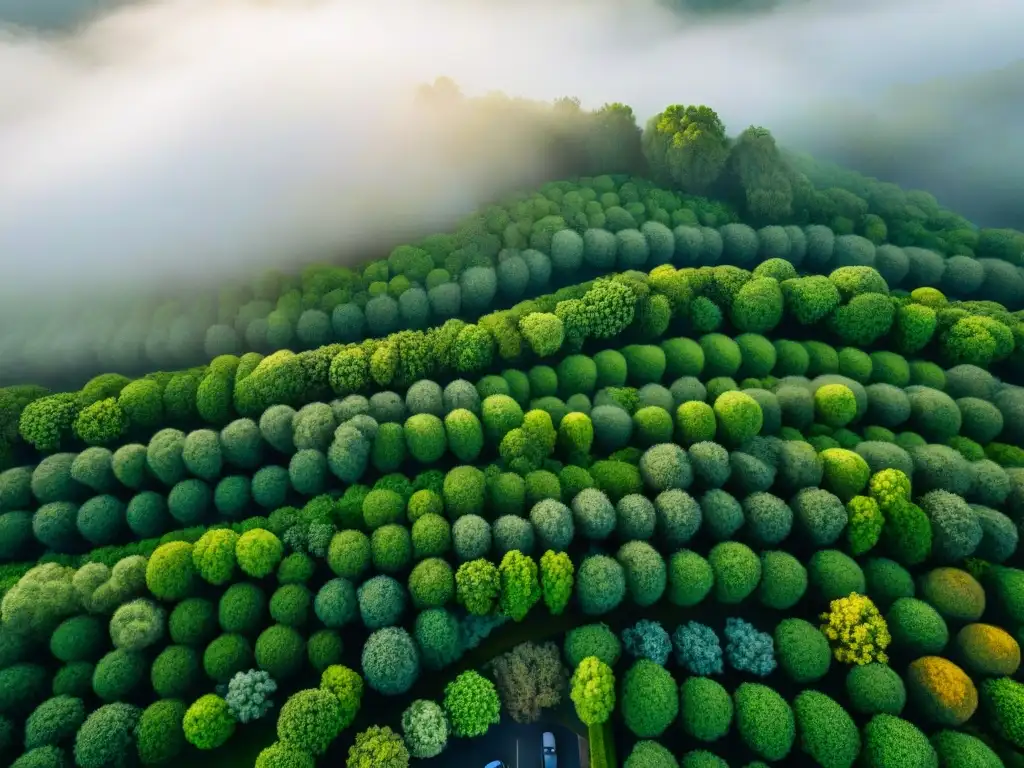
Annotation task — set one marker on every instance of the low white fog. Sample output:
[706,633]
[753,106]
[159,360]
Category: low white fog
[183,141]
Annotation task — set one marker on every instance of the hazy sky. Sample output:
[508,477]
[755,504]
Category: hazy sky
[186,139]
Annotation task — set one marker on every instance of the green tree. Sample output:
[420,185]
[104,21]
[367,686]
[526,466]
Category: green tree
[378,747]
[347,686]
[426,729]
[686,145]
[757,177]
[472,705]
[310,720]
[520,588]
[101,423]
[556,579]
[477,586]
[208,723]
[592,690]
[614,139]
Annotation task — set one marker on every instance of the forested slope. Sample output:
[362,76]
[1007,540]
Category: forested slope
[63,345]
[699,378]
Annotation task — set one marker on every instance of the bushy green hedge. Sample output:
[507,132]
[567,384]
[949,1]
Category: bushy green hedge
[933,466]
[857,305]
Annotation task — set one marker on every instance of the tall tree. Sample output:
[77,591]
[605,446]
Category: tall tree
[757,178]
[687,146]
[614,140]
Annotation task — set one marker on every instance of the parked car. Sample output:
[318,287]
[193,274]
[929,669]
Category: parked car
[550,757]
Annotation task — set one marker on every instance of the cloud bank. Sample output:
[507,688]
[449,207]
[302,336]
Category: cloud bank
[958,136]
[183,142]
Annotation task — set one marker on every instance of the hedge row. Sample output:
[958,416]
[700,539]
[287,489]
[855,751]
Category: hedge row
[544,122]
[521,244]
[209,394]
[912,217]
[749,356]
[760,465]
[675,517]
[943,615]
[111,408]
[936,467]
[524,442]
[271,313]
[984,413]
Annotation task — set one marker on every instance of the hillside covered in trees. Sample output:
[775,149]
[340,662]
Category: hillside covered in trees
[687,149]
[708,449]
